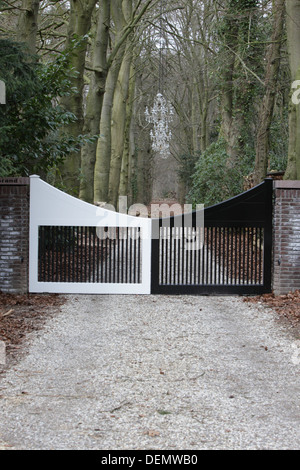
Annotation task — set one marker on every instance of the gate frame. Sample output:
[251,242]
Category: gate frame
[233,211]
[51,207]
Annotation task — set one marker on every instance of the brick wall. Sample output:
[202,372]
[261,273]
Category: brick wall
[286,271]
[14,234]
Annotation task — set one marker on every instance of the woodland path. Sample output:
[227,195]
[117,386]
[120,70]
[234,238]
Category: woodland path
[154,372]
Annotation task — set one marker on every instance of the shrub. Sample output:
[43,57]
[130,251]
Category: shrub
[216,177]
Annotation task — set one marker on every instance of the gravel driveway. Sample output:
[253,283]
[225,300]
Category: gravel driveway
[155,372]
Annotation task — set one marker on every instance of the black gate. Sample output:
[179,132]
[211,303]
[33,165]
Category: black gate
[231,253]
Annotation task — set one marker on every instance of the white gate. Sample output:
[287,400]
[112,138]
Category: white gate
[76,247]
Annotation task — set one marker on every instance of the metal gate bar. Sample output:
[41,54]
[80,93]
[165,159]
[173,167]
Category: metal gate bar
[231,254]
[89,254]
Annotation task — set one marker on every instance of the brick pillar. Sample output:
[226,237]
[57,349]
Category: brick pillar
[14,234]
[286,270]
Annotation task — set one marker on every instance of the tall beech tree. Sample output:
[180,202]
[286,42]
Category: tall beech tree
[118,124]
[95,100]
[28,24]
[241,51]
[266,109]
[293,41]
[78,30]
[121,13]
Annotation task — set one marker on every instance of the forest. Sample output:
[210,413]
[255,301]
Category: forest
[186,100]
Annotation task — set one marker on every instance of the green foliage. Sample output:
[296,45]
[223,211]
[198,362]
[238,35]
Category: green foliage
[6,167]
[216,178]
[187,164]
[31,139]
[241,5]
[279,137]
[243,32]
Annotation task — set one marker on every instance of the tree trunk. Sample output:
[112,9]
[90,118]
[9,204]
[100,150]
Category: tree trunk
[118,124]
[28,24]
[194,117]
[293,36]
[128,141]
[103,153]
[237,94]
[129,144]
[231,44]
[79,26]
[94,102]
[124,25]
[267,105]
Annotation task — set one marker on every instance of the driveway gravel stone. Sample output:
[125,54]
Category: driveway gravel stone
[155,372]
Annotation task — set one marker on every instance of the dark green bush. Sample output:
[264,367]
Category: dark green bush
[32,120]
[216,177]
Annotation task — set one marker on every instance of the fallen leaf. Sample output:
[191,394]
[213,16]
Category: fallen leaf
[152,433]
[7,313]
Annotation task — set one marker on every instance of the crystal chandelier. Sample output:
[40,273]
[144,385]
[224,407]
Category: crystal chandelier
[162,112]
[161,116]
